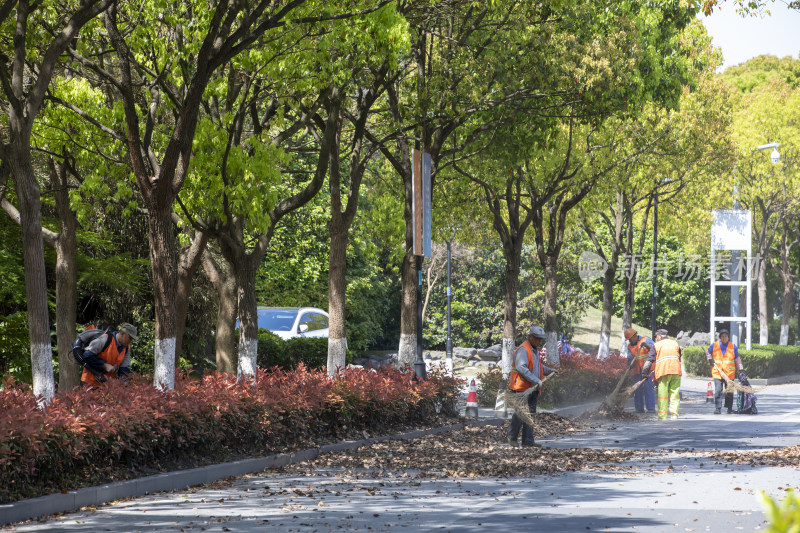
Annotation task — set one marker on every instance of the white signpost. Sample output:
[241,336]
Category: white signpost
[732,230]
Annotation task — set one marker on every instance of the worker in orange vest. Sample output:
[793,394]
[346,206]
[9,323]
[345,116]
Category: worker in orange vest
[639,349]
[724,355]
[527,372]
[667,361]
[113,360]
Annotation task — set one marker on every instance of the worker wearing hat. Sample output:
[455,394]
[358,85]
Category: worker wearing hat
[639,349]
[723,356]
[110,358]
[527,372]
[667,362]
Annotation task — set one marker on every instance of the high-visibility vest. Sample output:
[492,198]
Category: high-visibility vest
[640,353]
[515,380]
[724,360]
[111,355]
[668,358]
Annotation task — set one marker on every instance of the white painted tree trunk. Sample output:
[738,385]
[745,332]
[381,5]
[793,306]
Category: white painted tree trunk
[784,340]
[407,351]
[551,344]
[508,356]
[164,371]
[43,377]
[248,356]
[604,348]
[337,355]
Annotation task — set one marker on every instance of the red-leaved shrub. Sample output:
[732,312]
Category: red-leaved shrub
[126,428]
[582,378]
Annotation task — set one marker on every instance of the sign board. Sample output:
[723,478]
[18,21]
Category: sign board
[731,230]
[421,201]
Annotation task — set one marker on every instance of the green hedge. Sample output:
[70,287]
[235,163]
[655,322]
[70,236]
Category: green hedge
[287,354]
[769,360]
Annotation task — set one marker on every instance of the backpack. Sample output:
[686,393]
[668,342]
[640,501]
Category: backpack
[745,401]
[83,340]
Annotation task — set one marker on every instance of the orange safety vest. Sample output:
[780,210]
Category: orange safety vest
[668,358]
[110,355]
[724,360]
[515,380]
[640,353]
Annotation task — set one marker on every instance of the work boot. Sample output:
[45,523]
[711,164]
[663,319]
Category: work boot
[729,410]
[531,445]
[513,442]
[674,417]
[717,411]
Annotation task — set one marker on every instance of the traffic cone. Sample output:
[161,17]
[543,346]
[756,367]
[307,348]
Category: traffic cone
[472,402]
[710,393]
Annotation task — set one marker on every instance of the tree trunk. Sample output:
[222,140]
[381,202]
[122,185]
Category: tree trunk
[763,311]
[224,338]
[69,373]
[787,309]
[30,208]
[510,311]
[248,319]
[165,289]
[337,286]
[785,271]
[407,350]
[604,348]
[191,258]
[550,307]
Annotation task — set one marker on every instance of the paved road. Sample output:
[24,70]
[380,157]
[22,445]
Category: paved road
[674,490]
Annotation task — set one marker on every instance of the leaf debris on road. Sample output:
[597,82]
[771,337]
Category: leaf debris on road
[471,452]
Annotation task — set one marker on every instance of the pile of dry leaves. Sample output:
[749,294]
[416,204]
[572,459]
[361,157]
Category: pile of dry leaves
[470,452]
[608,412]
[789,456]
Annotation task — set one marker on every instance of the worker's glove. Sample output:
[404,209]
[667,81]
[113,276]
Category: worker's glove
[537,383]
[554,371]
[646,369]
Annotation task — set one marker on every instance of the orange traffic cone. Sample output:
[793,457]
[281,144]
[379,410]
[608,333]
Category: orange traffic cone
[472,401]
[710,393]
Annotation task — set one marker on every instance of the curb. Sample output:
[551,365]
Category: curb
[98,495]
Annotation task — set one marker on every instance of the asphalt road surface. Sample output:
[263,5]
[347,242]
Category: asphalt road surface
[675,488]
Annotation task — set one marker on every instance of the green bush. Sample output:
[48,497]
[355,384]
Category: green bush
[287,354]
[491,380]
[765,361]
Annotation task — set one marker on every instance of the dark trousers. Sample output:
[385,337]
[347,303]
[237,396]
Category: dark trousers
[517,423]
[719,386]
[645,395]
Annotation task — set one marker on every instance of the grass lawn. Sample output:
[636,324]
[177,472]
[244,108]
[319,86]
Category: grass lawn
[587,331]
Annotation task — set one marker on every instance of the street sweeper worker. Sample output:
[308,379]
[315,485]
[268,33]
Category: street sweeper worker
[639,349]
[112,358]
[667,361]
[526,372]
[723,355]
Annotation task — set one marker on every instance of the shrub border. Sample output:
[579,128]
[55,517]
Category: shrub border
[101,494]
